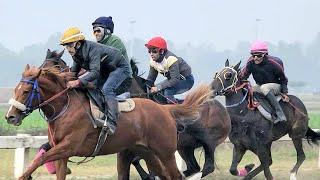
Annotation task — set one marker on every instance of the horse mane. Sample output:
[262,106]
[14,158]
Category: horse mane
[53,73]
[191,105]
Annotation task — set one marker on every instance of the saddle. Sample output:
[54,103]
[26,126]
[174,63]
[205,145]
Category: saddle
[97,104]
[265,107]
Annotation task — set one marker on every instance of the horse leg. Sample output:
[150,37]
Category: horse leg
[208,166]
[143,174]
[264,155]
[60,151]
[61,168]
[300,157]
[169,162]
[123,164]
[155,165]
[187,155]
[238,152]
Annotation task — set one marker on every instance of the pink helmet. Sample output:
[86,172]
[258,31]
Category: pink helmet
[259,46]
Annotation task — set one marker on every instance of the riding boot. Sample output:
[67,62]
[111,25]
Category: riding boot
[112,115]
[273,101]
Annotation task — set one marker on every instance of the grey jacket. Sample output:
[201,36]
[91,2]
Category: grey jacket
[99,60]
[174,68]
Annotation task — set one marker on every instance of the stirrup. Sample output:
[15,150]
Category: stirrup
[109,127]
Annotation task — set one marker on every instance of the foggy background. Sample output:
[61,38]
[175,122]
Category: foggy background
[204,32]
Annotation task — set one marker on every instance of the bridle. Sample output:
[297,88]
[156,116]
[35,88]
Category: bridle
[232,86]
[27,108]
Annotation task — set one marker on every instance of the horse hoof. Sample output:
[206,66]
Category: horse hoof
[207,170]
[196,176]
[189,172]
[293,176]
[69,170]
[249,167]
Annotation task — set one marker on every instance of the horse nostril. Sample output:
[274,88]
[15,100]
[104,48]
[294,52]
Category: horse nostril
[10,118]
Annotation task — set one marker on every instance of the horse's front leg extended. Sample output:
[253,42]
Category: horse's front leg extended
[238,152]
[60,151]
[61,168]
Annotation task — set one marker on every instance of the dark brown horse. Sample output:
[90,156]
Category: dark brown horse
[251,131]
[209,132]
[149,125]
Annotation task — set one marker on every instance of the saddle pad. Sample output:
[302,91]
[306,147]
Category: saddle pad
[124,106]
[264,106]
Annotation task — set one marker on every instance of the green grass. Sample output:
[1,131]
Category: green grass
[314,121]
[104,167]
[34,124]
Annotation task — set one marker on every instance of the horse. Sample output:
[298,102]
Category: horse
[212,129]
[209,132]
[251,131]
[71,133]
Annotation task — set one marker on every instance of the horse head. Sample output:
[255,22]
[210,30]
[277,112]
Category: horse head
[36,86]
[53,59]
[226,79]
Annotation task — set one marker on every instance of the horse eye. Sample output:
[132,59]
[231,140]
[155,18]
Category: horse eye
[26,91]
[228,76]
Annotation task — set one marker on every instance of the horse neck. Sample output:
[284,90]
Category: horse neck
[235,97]
[136,88]
[48,89]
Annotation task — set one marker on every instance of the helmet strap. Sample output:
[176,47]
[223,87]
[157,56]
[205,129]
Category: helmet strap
[78,45]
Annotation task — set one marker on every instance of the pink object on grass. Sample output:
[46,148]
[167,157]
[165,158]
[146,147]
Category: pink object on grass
[51,168]
[242,172]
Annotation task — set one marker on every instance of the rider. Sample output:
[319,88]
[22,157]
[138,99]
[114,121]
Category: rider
[106,67]
[103,31]
[268,72]
[174,68]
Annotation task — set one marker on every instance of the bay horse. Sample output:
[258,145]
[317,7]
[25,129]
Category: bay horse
[71,133]
[251,131]
[212,129]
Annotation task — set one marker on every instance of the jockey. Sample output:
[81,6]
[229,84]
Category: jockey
[268,72]
[174,68]
[105,66]
[103,31]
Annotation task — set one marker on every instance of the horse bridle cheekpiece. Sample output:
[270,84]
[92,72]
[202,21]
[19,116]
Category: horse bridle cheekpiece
[27,108]
[224,73]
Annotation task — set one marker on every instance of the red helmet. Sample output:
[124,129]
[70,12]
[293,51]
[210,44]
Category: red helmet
[157,42]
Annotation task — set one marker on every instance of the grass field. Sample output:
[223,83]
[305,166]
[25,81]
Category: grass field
[104,167]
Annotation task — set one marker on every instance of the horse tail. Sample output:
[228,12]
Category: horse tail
[190,107]
[313,136]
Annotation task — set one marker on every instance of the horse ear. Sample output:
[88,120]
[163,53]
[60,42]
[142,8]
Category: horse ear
[39,72]
[226,63]
[60,54]
[27,67]
[48,54]
[236,67]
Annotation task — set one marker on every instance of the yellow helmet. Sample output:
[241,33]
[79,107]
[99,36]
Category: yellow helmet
[72,34]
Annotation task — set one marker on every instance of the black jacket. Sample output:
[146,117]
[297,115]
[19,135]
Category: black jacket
[99,60]
[270,70]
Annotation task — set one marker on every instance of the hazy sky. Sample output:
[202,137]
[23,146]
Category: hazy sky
[221,23]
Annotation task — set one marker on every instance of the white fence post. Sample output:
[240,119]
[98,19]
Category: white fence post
[21,158]
[319,159]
